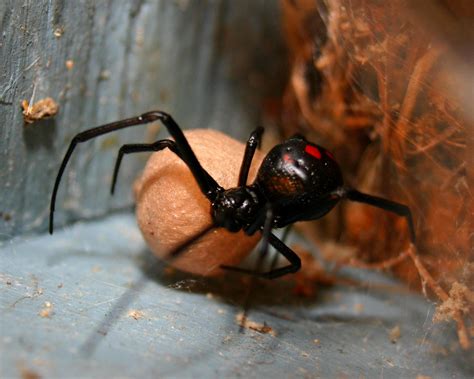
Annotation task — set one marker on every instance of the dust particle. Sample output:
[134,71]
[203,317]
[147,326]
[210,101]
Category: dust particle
[104,75]
[135,314]
[394,334]
[42,109]
[47,310]
[58,32]
[109,142]
[461,299]
[244,322]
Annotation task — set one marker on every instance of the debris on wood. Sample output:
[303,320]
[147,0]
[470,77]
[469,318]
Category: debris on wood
[47,310]
[394,334]
[243,321]
[136,314]
[460,300]
[42,109]
[58,32]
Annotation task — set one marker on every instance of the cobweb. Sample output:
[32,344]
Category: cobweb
[385,85]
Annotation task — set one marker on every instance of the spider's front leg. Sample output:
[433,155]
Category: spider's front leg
[252,143]
[140,148]
[207,184]
[145,148]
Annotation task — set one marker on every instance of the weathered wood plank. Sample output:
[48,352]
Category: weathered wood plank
[209,63]
[90,302]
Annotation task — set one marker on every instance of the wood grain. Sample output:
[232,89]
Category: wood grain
[210,64]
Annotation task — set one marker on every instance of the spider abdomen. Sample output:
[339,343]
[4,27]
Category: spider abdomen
[297,171]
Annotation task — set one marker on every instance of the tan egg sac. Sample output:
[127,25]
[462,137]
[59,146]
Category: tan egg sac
[171,208]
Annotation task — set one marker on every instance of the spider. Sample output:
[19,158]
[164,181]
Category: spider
[297,181]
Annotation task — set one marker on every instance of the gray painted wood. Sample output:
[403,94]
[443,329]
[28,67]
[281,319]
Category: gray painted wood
[90,302]
[209,63]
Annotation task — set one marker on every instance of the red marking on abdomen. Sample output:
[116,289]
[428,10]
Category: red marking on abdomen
[313,150]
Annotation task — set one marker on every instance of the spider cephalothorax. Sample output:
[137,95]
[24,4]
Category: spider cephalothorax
[236,208]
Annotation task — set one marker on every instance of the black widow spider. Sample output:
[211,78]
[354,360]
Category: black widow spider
[297,181]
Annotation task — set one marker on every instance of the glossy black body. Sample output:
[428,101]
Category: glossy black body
[297,181]
[298,178]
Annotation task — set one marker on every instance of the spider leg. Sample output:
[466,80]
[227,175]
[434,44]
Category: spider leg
[267,218]
[251,146]
[256,224]
[290,255]
[208,186]
[267,228]
[140,148]
[178,250]
[385,204]
[270,239]
[283,239]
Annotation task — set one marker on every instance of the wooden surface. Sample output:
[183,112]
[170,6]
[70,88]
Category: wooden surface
[209,63]
[92,302]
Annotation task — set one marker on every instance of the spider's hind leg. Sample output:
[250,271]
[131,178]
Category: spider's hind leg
[385,204]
